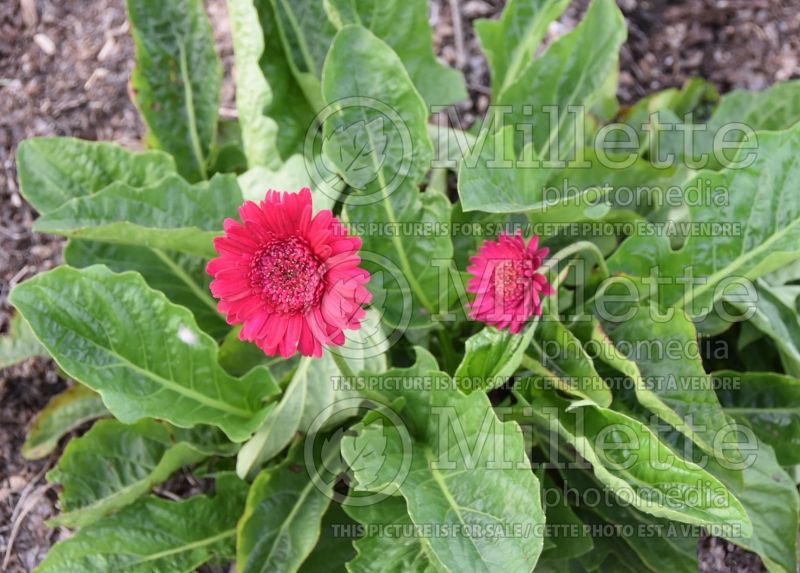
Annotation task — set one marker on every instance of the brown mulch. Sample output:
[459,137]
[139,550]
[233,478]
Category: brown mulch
[64,67]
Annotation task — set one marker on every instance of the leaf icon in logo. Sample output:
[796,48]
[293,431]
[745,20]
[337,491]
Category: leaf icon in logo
[358,150]
[365,454]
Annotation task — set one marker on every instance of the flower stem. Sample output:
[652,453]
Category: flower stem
[342,364]
[448,352]
[576,248]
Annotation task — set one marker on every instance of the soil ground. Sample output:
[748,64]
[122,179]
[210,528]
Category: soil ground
[64,67]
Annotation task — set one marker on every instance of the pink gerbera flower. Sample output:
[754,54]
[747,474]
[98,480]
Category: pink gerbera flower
[290,277]
[506,282]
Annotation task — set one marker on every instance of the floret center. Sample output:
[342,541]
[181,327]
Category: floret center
[288,275]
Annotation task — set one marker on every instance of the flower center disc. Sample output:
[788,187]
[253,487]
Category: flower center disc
[509,280]
[288,275]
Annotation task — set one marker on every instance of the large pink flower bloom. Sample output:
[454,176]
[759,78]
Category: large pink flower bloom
[291,277]
[506,282]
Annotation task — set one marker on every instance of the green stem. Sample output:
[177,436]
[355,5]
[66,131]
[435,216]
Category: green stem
[534,366]
[577,248]
[448,352]
[342,364]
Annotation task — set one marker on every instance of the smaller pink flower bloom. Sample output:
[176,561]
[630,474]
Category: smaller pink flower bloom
[290,277]
[506,282]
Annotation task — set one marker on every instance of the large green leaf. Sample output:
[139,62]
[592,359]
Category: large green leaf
[383,151]
[404,27]
[510,43]
[114,464]
[177,79]
[144,355]
[566,362]
[769,403]
[388,551]
[662,358]
[761,207]
[253,92]
[772,109]
[466,470]
[53,170]
[335,546]
[660,544]
[306,33]
[656,545]
[67,411]
[545,97]
[274,121]
[491,357]
[155,535]
[170,215]
[630,460]
[776,316]
[566,538]
[281,523]
[770,498]
[775,108]
[180,276]
[356,61]
[19,343]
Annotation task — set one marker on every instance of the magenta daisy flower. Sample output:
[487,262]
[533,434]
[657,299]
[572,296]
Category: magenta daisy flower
[506,282]
[290,277]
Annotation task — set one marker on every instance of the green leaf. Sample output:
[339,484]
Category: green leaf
[772,109]
[662,358]
[177,79]
[335,547]
[155,535]
[171,215]
[180,276]
[144,355]
[306,33]
[566,362]
[646,549]
[570,73]
[565,529]
[357,59]
[316,394]
[761,206]
[510,43]
[253,93]
[19,344]
[404,27]
[629,459]
[274,121]
[292,175]
[388,551]
[491,357]
[53,170]
[776,316]
[282,423]
[767,402]
[282,520]
[114,464]
[67,411]
[465,469]
[770,498]
[490,181]
[362,66]
[661,545]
